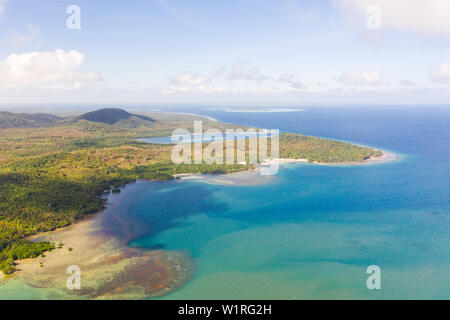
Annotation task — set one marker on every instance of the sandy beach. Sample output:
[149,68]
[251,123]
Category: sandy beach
[386,157]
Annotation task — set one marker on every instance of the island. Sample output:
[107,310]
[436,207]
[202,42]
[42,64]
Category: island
[56,170]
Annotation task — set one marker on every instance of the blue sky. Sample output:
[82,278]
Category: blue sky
[236,52]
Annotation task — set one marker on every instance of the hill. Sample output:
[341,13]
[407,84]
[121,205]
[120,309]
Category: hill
[20,120]
[112,116]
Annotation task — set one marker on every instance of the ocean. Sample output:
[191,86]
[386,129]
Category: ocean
[314,230]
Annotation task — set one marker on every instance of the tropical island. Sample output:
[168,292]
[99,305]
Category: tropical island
[55,170]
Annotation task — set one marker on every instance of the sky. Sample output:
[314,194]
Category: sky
[234,52]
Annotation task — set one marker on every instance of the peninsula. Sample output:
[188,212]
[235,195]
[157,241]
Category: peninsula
[56,170]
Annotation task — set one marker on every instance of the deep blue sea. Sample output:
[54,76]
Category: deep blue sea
[313,231]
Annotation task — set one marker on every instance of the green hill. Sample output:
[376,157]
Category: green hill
[20,120]
[112,116]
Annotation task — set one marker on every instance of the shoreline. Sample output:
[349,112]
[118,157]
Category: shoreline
[113,270]
[110,268]
[251,176]
[384,158]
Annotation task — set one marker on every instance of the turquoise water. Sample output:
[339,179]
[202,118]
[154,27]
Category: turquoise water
[313,231]
[311,234]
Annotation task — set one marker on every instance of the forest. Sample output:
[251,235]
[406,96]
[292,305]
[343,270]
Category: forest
[53,175]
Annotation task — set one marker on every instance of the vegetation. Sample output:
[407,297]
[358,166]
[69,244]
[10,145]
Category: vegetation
[111,116]
[51,176]
[296,146]
[20,250]
[17,120]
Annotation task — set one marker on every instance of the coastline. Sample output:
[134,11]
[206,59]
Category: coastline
[384,158]
[110,269]
[251,177]
[113,270]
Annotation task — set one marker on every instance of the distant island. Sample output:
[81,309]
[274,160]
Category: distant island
[54,170]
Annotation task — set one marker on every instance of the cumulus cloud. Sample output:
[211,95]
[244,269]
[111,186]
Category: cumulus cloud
[218,89]
[239,78]
[62,86]
[189,79]
[50,67]
[421,16]
[440,73]
[361,79]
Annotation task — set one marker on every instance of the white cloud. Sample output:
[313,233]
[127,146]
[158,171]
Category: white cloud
[441,73]
[422,16]
[62,86]
[44,67]
[361,79]
[189,79]
[218,89]
[244,79]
